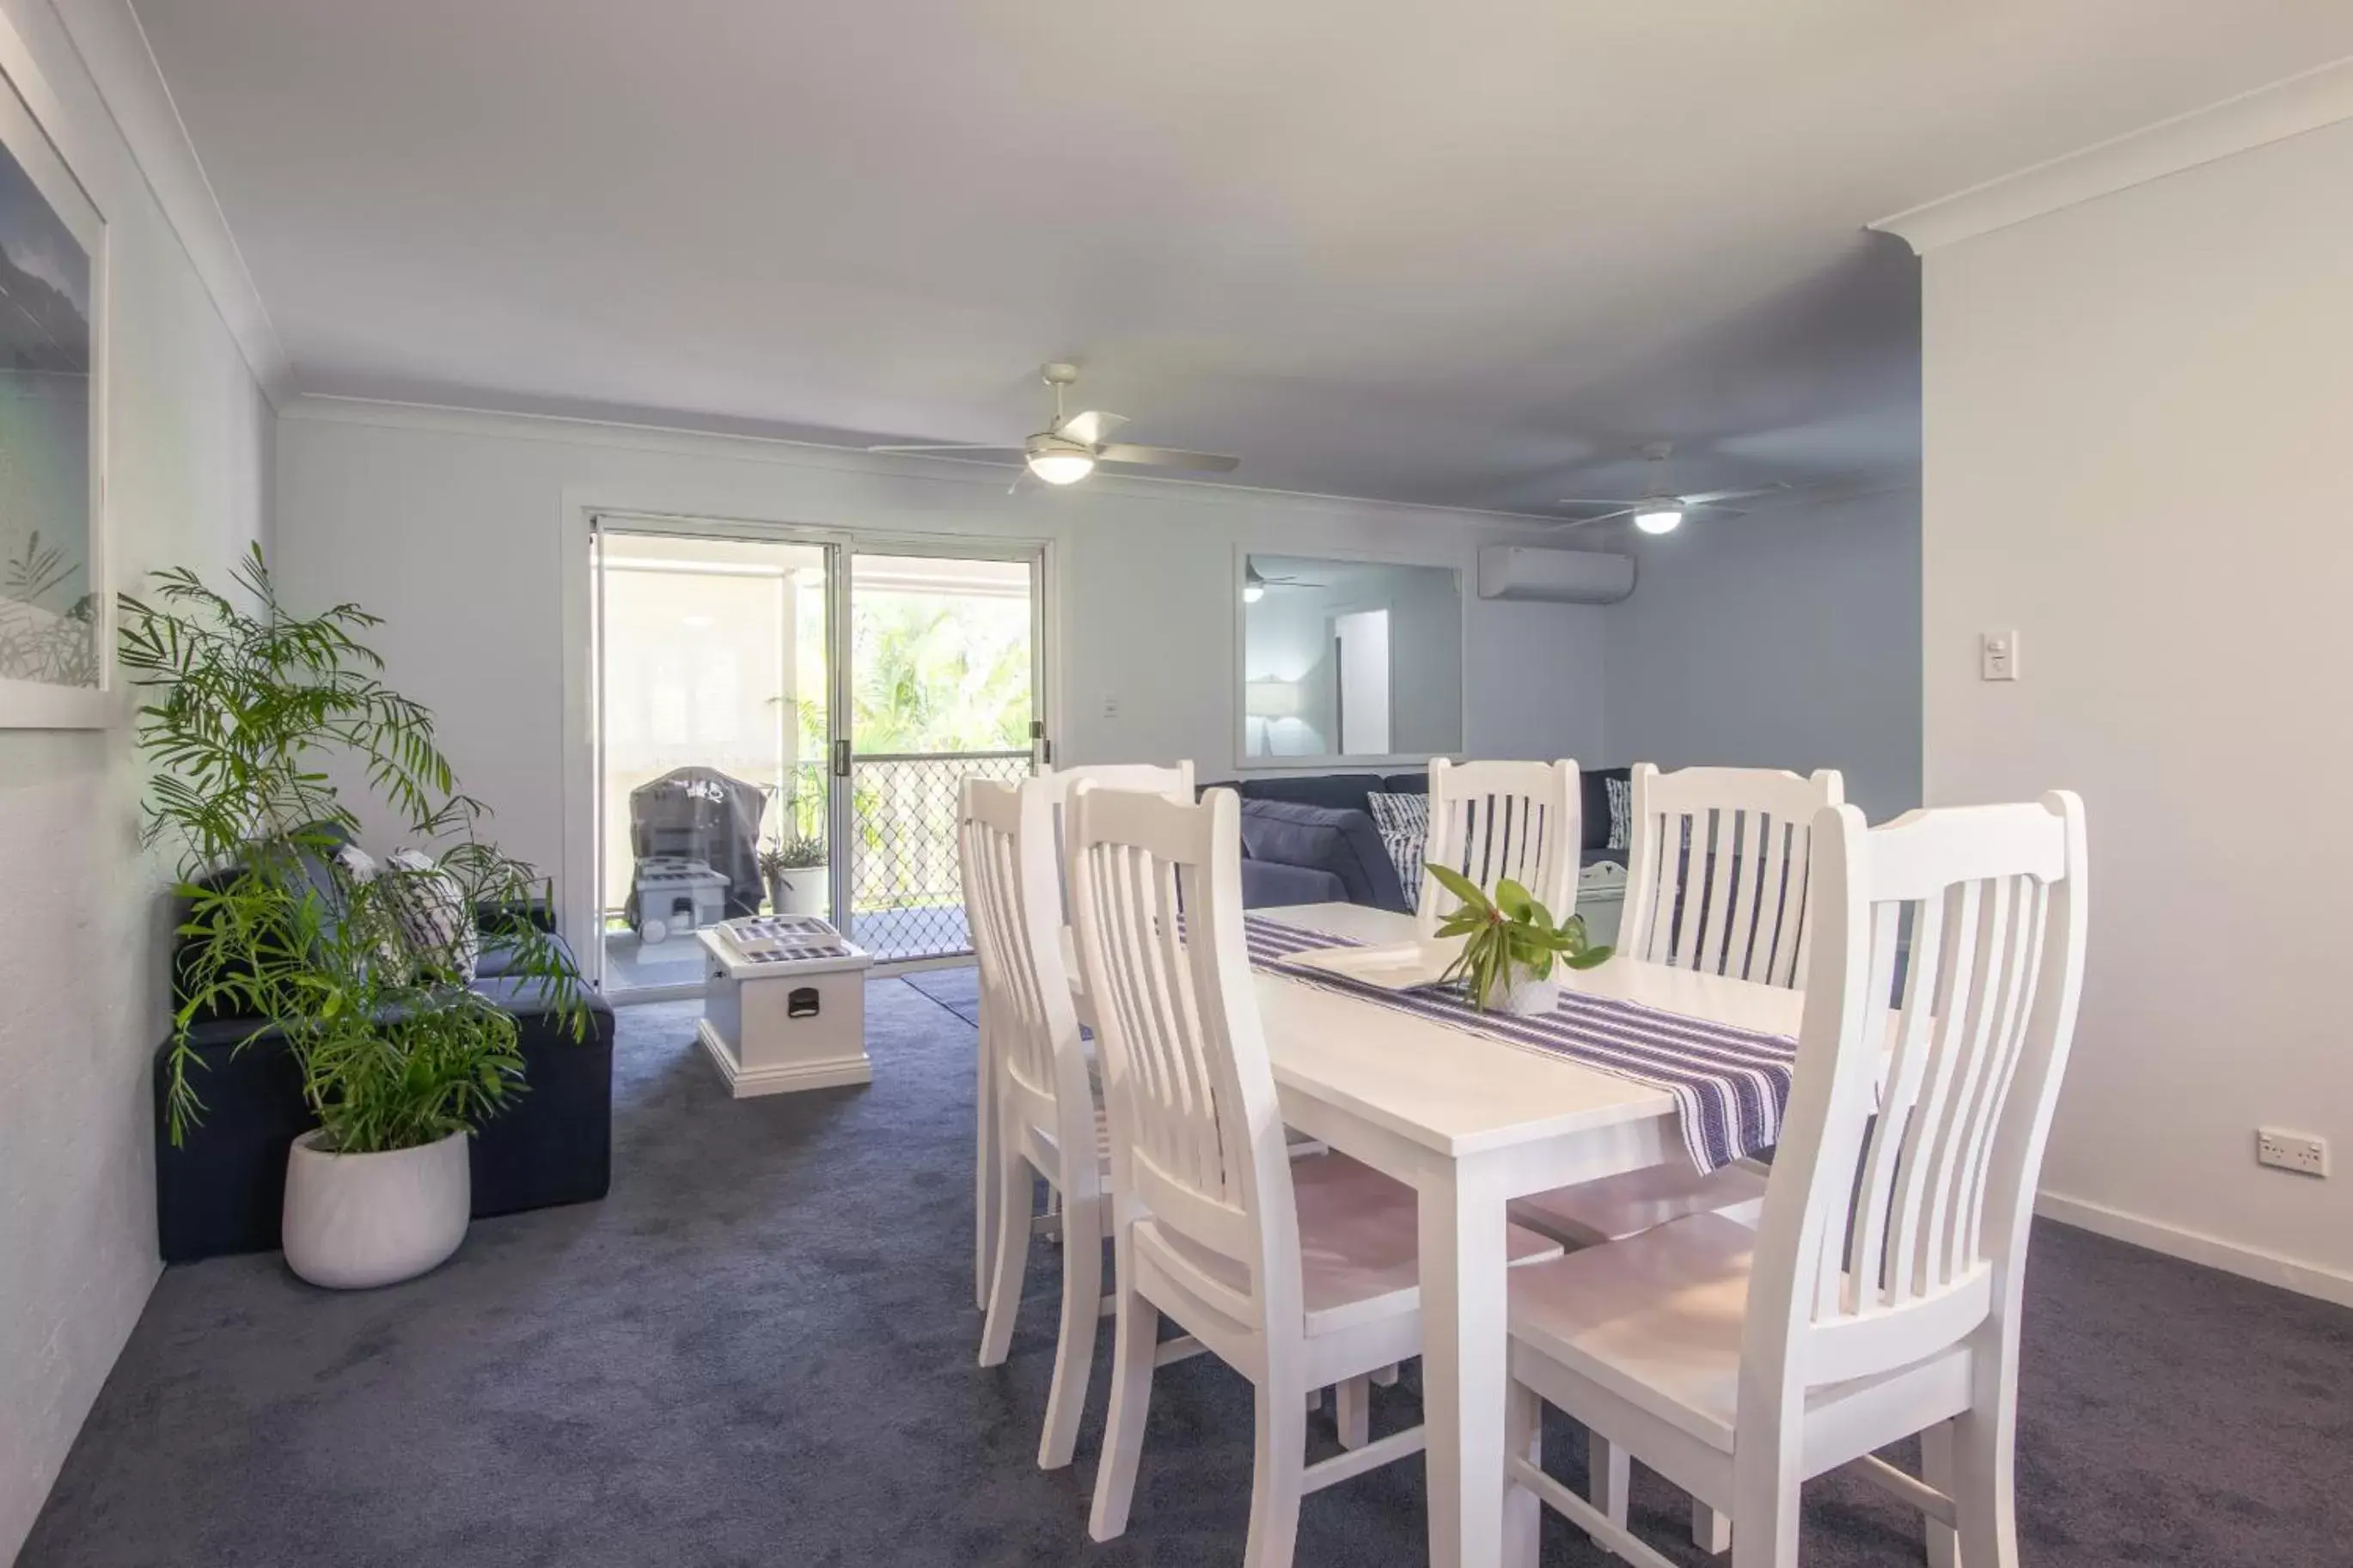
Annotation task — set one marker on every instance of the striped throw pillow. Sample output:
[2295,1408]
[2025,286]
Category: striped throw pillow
[435,920]
[1404,824]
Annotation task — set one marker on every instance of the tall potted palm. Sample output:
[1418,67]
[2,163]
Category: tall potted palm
[249,715]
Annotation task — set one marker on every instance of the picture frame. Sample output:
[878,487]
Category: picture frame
[57,608]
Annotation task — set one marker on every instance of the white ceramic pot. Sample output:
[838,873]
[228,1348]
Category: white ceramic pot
[800,890]
[356,1221]
[1527,997]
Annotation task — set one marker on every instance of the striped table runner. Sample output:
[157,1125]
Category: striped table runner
[1731,1085]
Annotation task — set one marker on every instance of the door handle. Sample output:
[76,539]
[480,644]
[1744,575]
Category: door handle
[841,759]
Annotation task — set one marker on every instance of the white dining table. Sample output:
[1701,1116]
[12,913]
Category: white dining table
[1470,1123]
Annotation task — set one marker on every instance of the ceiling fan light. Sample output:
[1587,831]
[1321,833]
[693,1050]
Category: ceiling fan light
[1659,519]
[1061,465]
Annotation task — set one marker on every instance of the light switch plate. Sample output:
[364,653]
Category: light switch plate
[1998,655]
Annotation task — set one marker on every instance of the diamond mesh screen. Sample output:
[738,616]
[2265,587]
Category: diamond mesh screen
[906,897]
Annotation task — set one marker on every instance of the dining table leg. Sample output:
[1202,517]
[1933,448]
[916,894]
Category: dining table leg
[1464,1373]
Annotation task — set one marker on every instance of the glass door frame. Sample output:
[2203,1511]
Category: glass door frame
[840,546]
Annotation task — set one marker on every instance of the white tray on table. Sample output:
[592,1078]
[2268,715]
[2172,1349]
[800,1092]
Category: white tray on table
[1385,966]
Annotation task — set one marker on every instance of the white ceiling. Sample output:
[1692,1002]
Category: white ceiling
[1471,254]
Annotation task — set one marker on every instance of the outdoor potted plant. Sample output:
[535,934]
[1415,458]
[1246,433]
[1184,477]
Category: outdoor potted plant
[247,714]
[1510,945]
[794,867]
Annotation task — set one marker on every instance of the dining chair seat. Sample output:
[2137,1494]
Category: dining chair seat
[1656,1321]
[1358,1247]
[1616,1208]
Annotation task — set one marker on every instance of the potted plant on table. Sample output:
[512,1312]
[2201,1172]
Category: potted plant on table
[795,869]
[361,975]
[1510,945]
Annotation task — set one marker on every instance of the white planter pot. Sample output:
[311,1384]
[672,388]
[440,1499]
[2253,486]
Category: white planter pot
[1527,997]
[799,891]
[356,1221]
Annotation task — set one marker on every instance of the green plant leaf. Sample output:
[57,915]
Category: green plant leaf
[1463,888]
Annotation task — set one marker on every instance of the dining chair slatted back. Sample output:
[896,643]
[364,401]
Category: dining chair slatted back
[1944,1108]
[1005,837]
[1174,780]
[1490,820]
[1718,864]
[1197,1135]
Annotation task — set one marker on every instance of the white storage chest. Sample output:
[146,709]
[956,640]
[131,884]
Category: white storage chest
[785,1007]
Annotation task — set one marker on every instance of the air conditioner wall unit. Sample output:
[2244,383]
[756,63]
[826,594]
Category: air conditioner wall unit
[1557,576]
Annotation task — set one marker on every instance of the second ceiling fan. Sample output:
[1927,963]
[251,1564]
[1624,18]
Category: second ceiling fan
[1659,510]
[1069,447]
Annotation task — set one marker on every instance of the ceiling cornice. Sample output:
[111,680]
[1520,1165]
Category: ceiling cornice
[2319,96]
[115,50]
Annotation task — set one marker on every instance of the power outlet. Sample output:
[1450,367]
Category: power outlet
[2299,1152]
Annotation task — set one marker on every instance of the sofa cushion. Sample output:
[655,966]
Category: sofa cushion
[1405,784]
[1270,884]
[1338,792]
[1344,843]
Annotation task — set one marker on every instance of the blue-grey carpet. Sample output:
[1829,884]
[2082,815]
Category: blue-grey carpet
[760,1350]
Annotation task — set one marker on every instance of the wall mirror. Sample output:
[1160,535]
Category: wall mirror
[1350,660]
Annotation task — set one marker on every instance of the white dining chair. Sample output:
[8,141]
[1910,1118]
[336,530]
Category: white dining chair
[1047,1125]
[1174,779]
[1491,820]
[1716,868]
[1297,1276]
[1879,1295]
[1716,876]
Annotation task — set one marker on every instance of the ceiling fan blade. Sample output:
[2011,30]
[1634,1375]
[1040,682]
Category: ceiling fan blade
[1604,516]
[945,446]
[1595,500]
[1710,498]
[1093,428]
[1169,458]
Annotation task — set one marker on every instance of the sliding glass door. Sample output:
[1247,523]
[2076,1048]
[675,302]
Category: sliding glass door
[716,695]
[781,722]
[944,683]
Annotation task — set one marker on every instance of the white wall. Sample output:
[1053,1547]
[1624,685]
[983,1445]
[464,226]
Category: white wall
[456,528]
[2135,412]
[81,978]
[1787,640]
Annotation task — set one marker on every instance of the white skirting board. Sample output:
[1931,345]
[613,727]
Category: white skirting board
[2248,1262]
[743,1083]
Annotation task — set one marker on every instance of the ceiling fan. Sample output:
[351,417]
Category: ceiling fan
[1069,447]
[1256,582]
[1660,510]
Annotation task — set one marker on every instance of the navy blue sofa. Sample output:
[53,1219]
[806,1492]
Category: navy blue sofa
[1310,838]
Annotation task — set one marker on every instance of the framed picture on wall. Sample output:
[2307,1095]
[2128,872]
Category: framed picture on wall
[56,611]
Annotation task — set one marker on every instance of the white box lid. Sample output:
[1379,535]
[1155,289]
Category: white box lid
[757,945]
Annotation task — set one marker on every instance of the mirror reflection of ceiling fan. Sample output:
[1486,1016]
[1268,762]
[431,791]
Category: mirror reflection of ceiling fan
[1660,510]
[1256,582]
[1070,444]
